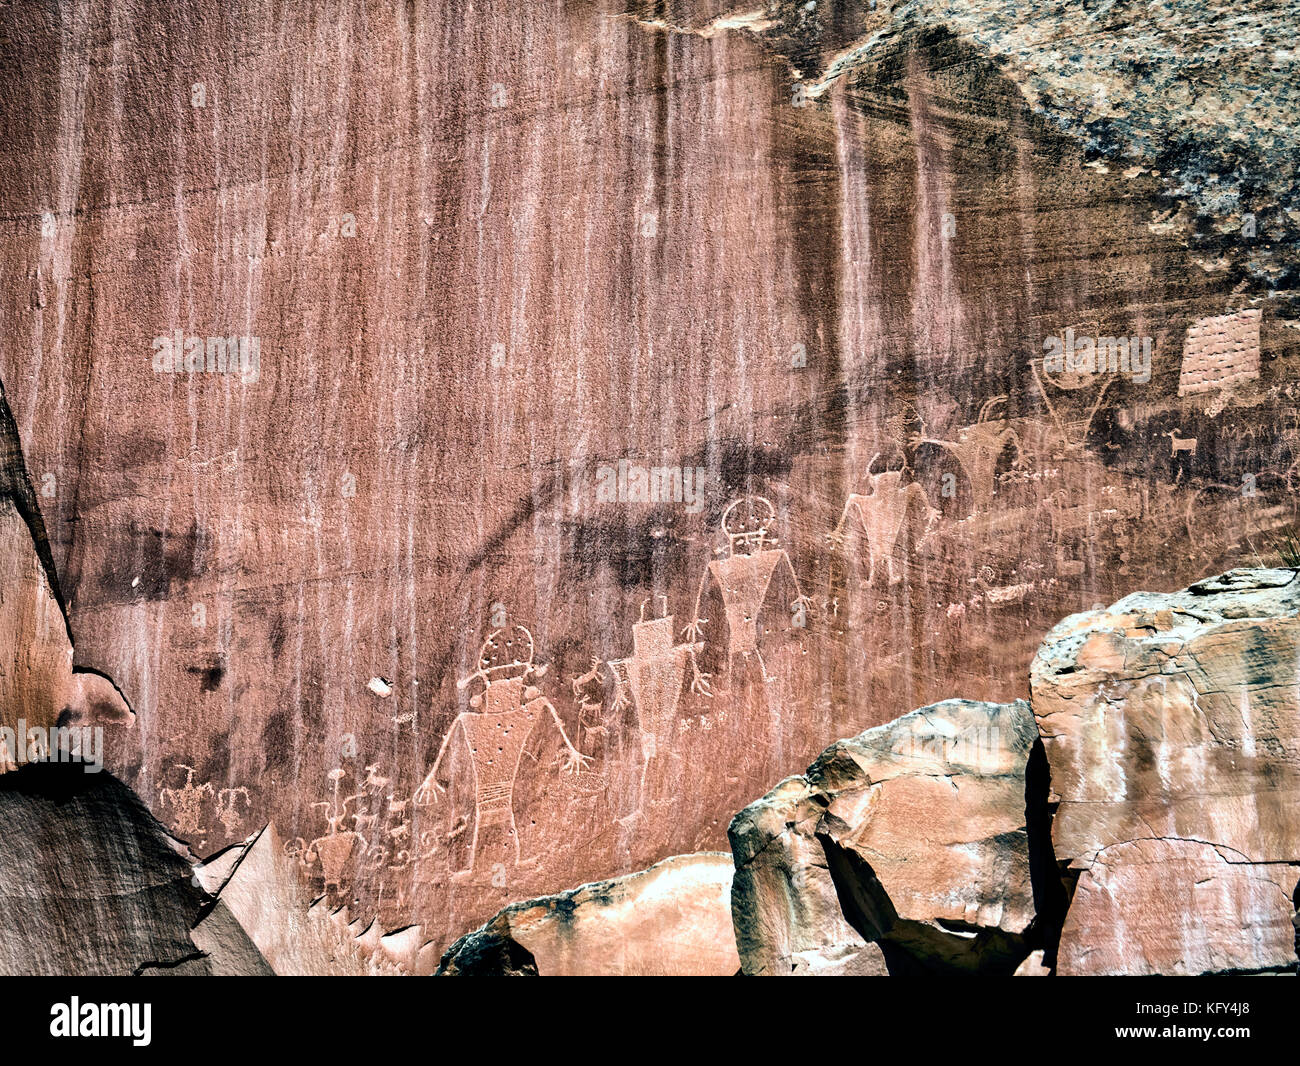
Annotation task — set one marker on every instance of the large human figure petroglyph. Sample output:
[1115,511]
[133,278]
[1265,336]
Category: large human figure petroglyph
[743,578]
[497,734]
[882,513]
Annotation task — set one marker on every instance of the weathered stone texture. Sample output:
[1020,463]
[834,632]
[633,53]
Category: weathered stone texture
[1171,723]
[1220,352]
[674,918]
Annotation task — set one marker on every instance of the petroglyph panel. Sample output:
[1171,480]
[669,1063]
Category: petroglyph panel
[626,426]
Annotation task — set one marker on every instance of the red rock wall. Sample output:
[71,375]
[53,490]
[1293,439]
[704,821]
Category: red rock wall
[627,259]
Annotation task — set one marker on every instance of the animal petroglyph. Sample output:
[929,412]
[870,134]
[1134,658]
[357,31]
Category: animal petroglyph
[497,734]
[1180,444]
[743,578]
[882,512]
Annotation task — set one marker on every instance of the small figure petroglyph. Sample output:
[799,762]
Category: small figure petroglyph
[333,849]
[227,808]
[651,679]
[187,802]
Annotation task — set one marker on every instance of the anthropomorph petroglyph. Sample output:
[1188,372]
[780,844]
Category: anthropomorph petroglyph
[497,730]
[978,448]
[227,808]
[187,802]
[651,679]
[744,576]
[390,845]
[1072,427]
[882,513]
[337,846]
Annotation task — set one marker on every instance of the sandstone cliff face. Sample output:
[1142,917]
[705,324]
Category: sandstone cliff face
[1172,727]
[39,686]
[809,255]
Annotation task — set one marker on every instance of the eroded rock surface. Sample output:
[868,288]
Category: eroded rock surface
[917,828]
[91,884]
[1183,907]
[674,918]
[39,686]
[258,890]
[1171,724]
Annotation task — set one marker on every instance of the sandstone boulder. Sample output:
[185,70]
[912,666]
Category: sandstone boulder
[913,834]
[1179,907]
[672,919]
[1171,725]
[784,902]
[1034,965]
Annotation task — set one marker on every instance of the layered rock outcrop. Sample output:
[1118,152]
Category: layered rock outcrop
[804,251]
[1172,727]
[810,252]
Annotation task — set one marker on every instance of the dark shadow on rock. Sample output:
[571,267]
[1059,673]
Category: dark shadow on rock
[488,952]
[1051,897]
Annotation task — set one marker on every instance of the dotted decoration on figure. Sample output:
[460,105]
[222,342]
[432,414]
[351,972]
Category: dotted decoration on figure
[497,730]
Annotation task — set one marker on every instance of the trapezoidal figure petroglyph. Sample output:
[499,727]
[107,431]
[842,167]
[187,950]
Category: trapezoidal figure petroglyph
[744,577]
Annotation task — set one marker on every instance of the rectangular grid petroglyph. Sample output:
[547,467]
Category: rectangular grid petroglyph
[1220,352]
